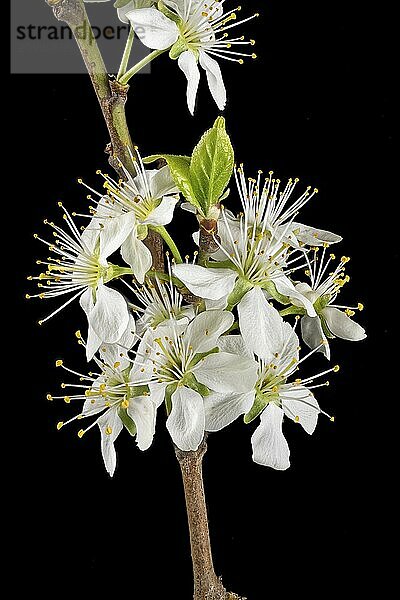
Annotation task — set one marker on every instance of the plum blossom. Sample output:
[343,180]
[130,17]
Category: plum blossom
[183,364]
[79,268]
[276,347]
[130,206]
[195,31]
[116,402]
[332,320]
[252,259]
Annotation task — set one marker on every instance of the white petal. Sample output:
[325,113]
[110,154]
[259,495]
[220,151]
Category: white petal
[87,301]
[203,332]
[153,28]
[269,445]
[234,344]
[188,64]
[157,393]
[118,352]
[286,287]
[216,304]
[260,324]
[142,411]
[93,342]
[225,372]
[222,409]
[206,283]
[109,317]
[162,215]
[137,255]
[90,236]
[214,79]
[161,183]
[300,405]
[192,209]
[130,6]
[114,233]
[314,237]
[110,420]
[313,335]
[342,326]
[186,421]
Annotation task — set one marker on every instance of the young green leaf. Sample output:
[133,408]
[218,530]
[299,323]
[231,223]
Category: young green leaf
[211,166]
[179,167]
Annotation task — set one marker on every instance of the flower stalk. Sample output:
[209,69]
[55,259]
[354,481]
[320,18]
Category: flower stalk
[127,53]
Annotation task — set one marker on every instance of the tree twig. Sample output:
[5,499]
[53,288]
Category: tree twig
[207,585]
[112,98]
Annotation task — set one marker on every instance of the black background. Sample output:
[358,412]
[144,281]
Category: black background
[316,104]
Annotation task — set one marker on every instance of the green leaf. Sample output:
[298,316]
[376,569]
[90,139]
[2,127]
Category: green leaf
[121,3]
[127,421]
[179,167]
[211,166]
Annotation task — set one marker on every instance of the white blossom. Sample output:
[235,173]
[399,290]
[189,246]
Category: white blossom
[129,207]
[184,364]
[116,401]
[78,267]
[276,394]
[253,258]
[332,320]
[196,31]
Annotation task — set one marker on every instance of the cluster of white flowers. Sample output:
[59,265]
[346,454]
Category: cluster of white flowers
[226,354]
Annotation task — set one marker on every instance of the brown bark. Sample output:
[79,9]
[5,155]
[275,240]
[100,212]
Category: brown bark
[207,585]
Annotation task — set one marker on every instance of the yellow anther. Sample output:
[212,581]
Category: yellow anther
[345,259]
[360,306]
[252,42]
[59,204]
[78,334]
[297,419]
[125,403]
[27,296]
[59,425]
[67,399]
[63,386]
[332,419]
[117,364]
[59,363]
[108,430]
[349,312]
[81,433]
[336,369]
[254,55]
[297,381]
[49,397]
[240,61]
